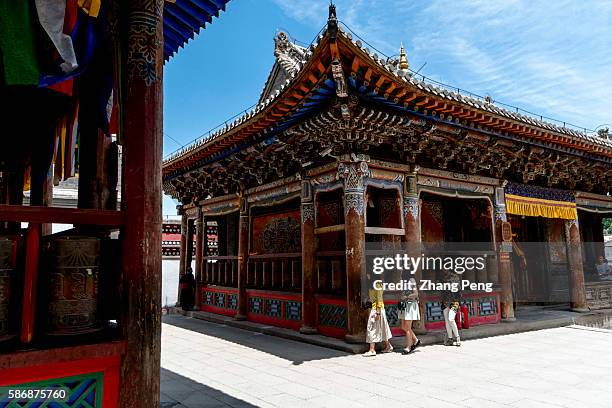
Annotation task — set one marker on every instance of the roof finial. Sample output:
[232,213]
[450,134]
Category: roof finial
[403,60]
[332,21]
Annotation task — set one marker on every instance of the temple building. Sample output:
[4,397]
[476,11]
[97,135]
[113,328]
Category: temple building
[171,251]
[345,147]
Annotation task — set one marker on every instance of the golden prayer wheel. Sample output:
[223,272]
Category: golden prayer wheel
[73,264]
[7,270]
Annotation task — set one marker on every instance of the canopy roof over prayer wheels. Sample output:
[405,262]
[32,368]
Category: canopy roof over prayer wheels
[80,310]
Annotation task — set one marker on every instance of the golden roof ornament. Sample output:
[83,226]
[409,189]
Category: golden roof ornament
[403,60]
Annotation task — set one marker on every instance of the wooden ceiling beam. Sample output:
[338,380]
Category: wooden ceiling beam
[297,94]
[488,120]
[462,113]
[312,78]
[447,107]
[284,108]
[471,115]
[423,101]
[410,97]
[333,48]
[355,64]
[390,88]
[403,91]
[320,67]
[380,82]
[432,104]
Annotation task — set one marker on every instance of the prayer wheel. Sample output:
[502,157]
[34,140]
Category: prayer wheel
[73,264]
[7,268]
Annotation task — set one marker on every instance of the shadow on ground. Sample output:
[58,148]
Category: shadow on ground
[291,350]
[178,391]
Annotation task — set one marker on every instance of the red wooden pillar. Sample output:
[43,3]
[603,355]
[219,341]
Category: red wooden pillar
[243,253]
[200,239]
[142,114]
[182,254]
[47,229]
[577,291]
[189,244]
[493,265]
[412,237]
[354,175]
[33,235]
[308,261]
[504,240]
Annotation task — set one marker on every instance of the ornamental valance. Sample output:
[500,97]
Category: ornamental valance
[534,201]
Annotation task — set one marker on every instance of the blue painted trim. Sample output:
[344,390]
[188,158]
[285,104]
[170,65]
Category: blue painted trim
[184,19]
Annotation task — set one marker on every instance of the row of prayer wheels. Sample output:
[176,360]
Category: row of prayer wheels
[67,291]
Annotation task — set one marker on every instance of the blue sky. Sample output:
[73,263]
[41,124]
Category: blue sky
[552,58]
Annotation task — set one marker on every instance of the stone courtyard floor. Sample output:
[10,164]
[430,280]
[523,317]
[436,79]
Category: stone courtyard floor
[211,365]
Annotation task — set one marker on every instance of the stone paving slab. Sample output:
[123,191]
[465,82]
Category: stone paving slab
[206,364]
[528,319]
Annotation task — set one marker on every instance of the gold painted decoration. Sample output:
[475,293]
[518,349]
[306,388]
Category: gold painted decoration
[537,207]
[534,201]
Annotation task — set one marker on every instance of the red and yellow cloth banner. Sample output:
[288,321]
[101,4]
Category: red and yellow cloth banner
[534,201]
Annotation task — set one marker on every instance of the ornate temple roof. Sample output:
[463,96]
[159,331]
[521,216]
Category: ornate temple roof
[337,69]
[289,57]
[183,19]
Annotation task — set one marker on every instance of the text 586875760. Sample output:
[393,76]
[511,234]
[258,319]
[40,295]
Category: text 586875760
[33,394]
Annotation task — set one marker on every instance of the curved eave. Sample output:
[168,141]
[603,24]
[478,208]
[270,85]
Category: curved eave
[380,82]
[304,91]
[389,85]
[183,20]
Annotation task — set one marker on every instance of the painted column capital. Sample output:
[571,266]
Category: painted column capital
[308,212]
[306,194]
[354,175]
[412,206]
[500,213]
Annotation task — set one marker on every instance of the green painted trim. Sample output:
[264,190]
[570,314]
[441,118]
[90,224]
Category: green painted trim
[98,384]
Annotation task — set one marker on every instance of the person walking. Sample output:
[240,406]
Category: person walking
[603,269]
[187,292]
[452,332]
[378,329]
[450,304]
[408,312]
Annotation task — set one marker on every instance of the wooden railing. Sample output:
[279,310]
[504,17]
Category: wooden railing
[220,270]
[275,271]
[330,271]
